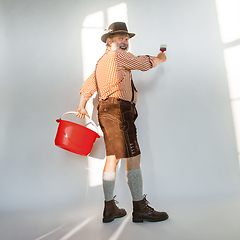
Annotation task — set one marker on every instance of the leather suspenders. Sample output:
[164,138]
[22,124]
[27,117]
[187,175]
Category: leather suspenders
[133,89]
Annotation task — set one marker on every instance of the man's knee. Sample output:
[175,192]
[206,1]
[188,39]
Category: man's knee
[112,159]
[111,163]
[133,162]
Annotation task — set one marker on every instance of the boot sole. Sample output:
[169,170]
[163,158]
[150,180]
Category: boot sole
[111,219]
[148,220]
[108,220]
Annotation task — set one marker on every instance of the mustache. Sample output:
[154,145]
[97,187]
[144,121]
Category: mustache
[123,45]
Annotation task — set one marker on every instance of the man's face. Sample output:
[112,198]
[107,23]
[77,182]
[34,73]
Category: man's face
[119,41]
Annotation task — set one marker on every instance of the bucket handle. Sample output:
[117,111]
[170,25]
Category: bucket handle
[91,121]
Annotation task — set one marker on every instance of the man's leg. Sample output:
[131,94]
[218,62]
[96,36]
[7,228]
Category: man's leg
[134,177]
[141,210]
[109,177]
[111,211]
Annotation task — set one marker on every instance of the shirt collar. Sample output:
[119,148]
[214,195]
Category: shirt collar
[108,49]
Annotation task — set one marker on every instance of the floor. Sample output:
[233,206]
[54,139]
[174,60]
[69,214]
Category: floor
[217,220]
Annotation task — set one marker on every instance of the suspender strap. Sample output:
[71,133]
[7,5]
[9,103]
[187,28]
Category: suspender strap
[133,89]
[98,91]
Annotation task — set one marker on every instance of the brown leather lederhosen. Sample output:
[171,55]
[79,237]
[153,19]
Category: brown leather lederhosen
[116,118]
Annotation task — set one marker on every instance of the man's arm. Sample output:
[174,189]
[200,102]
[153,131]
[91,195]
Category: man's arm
[81,111]
[142,62]
[87,90]
[161,57]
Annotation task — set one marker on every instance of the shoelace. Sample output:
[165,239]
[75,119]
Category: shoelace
[147,202]
[116,202]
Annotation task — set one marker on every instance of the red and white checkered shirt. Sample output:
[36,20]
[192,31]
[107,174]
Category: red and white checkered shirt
[113,73]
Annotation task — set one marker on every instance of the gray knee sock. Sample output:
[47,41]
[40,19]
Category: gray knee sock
[135,183]
[108,185]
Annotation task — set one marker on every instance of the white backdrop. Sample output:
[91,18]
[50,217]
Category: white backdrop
[185,125]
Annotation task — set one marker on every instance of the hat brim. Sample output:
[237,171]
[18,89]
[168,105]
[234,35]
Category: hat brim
[106,35]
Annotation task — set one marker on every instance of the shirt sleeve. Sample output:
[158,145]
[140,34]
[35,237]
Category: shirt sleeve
[131,62]
[89,87]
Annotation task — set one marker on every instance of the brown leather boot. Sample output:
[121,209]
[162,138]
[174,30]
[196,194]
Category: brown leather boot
[111,211]
[143,212]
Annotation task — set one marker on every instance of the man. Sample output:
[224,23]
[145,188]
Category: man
[116,114]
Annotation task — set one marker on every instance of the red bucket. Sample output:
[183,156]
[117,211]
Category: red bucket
[74,137]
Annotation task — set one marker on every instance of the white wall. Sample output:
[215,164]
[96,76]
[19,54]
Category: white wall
[185,123]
